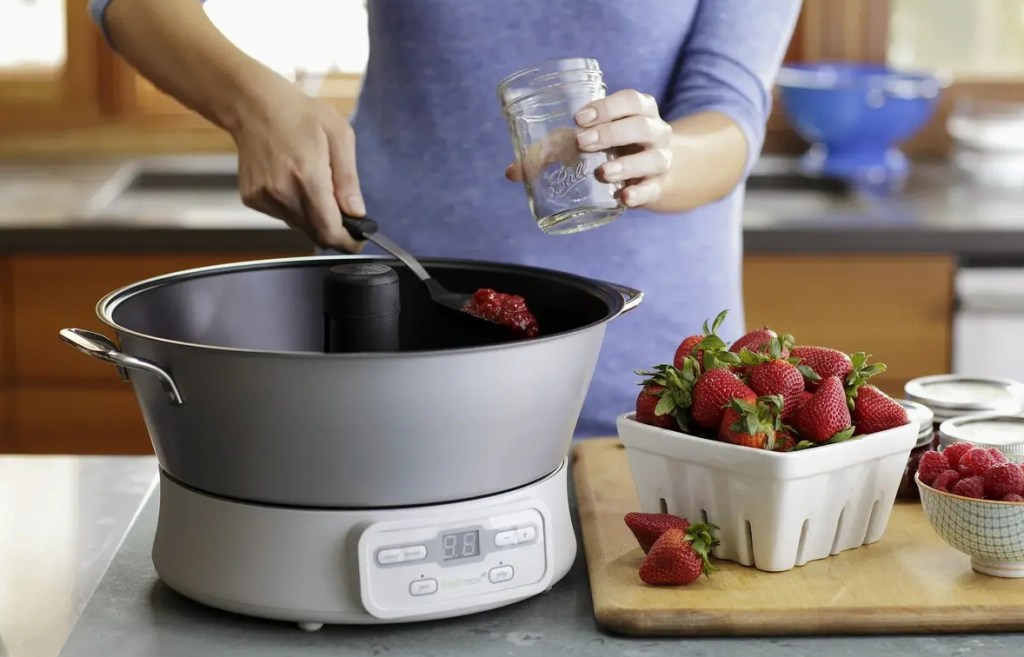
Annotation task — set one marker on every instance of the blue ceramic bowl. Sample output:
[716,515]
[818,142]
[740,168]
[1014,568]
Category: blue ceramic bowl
[855,114]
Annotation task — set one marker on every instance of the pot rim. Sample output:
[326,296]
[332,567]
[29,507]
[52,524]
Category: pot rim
[105,307]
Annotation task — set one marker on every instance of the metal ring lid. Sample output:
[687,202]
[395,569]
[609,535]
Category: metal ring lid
[919,414]
[953,395]
[1003,432]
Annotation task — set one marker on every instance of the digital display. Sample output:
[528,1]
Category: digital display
[461,545]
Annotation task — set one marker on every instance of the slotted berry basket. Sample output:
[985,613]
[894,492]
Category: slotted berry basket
[775,511]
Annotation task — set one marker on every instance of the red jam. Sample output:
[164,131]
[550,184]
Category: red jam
[506,309]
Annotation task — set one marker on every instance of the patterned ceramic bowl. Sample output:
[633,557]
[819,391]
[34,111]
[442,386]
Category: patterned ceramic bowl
[991,533]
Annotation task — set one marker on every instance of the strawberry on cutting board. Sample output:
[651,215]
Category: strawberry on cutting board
[825,417]
[648,527]
[679,556]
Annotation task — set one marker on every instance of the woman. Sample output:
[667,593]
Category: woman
[689,95]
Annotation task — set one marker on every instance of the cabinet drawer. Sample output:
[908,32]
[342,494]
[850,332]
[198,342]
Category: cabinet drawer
[898,308]
[51,292]
[56,420]
[6,323]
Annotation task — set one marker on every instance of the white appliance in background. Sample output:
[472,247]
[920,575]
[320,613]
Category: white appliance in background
[988,325]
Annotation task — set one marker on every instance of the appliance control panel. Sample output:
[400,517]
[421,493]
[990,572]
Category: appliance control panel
[415,566]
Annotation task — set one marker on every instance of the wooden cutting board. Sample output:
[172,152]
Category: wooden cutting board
[909,582]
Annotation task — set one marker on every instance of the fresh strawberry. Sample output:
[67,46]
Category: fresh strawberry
[784,441]
[824,363]
[752,424]
[1013,497]
[793,406]
[773,376]
[975,462]
[970,487]
[708,349]
[1002,480]
[714,390]
[860,374]
[665,398]
[876,411]
[647,403]
[759,341]
[679,556]
[825,417]
[648,527]
[946,481]
[955,452]
[685,350]
[931,465]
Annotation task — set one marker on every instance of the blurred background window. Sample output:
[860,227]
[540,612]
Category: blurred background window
[33,35]
[972,39]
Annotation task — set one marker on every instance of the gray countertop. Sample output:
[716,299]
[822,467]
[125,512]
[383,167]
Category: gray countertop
[102,207]
[62,519]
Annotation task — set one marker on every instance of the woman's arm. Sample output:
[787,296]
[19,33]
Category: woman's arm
[703,140]
[296,154]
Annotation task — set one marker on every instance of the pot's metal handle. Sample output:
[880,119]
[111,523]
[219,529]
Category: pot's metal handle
[632,296]
[100,346]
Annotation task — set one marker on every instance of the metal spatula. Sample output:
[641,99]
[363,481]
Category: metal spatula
[367,229]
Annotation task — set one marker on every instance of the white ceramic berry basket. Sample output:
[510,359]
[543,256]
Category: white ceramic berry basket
[774,511]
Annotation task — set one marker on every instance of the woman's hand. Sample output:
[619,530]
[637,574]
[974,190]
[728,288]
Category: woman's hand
[297,162]
[626,123]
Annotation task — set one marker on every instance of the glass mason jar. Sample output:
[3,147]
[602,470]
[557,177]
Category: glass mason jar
[539,104]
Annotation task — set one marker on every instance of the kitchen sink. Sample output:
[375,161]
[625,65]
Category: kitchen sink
[190,192]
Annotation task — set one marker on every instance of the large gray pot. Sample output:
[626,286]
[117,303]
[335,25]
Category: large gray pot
[240,400]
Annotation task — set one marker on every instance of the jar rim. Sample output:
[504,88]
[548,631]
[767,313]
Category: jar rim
[948,430]
[916,390]
[509,91]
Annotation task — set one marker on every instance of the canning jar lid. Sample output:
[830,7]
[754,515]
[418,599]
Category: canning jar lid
[952,395]
[922,417]
[1003,432]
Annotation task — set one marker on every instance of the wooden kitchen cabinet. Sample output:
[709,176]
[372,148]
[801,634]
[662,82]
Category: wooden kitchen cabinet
[77,420]
[51,292]
[897,307]
[52,398]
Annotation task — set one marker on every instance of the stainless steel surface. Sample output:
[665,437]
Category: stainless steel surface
[62,518]
[269,417]
[100,346]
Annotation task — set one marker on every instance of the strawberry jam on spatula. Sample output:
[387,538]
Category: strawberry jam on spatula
[506,309]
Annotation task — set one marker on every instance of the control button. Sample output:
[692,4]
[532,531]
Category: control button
[423,587]
[393,555]
[526,534]
[414,553]
[500,574]
[505,539]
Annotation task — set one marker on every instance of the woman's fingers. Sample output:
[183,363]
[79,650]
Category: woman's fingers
[322,212]
[341,141]
[645,164]
[627,102]
[638,130]
[642,193]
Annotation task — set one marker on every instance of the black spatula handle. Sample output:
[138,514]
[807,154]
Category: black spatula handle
[360,229]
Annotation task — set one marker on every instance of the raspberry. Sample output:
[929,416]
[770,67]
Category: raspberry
[970,487]
[975,462]
[932,464]
[1002,480]
[955,452]
[946,480]
[1013,497]
[997,455]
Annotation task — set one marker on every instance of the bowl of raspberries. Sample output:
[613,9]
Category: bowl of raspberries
[974,500]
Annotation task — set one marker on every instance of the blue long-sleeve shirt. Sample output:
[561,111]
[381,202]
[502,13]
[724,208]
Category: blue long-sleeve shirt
[432,147]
